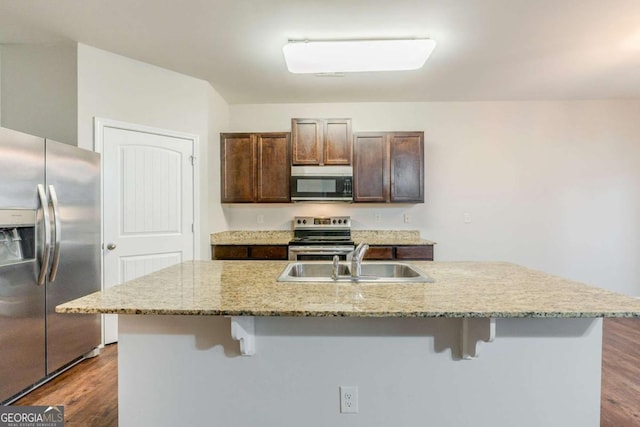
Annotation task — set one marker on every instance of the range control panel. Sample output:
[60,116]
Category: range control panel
[322,222]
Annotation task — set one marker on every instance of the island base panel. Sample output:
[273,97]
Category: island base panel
[187,370]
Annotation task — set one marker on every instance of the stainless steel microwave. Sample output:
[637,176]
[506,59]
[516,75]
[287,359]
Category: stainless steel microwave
[321,183]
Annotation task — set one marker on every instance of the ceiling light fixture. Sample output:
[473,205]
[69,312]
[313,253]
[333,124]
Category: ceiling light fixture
[347,56]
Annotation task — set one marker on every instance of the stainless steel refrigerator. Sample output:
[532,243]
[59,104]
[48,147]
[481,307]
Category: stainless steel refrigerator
[49,254]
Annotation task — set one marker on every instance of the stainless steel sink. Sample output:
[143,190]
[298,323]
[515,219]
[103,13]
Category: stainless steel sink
[394,270]
[382,272]
[314,270]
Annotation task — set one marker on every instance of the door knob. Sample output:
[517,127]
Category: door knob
[111,246]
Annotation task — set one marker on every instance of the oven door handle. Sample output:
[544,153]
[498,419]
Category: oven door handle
[294,252]
[322,252]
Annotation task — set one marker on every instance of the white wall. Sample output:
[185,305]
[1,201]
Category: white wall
[38,84]
[218,122]
[119,88]
[549,185]
[537,372]
[0,85]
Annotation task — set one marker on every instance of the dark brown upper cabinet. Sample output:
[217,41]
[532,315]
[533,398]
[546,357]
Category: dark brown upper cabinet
[255,167]
[406,161]
[321,141]
[337,141]
[370,168]
[388,167]
[238,167]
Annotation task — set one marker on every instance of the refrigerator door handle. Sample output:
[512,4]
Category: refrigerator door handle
[46,250]
[57,232]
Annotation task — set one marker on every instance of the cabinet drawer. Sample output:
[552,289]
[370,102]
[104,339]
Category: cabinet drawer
[231,252]
[415,252]
[379,252]
[268,252]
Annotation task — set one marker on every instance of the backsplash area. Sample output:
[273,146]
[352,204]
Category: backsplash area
[278,217]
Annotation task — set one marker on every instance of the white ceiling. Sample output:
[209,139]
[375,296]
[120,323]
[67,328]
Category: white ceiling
[487,49]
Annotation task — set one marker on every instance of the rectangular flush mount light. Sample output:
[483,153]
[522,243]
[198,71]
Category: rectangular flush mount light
[344,56]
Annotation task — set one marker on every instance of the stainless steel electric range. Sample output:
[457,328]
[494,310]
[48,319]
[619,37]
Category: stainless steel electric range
[320,238]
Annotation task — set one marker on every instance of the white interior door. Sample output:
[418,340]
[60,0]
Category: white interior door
[148,203]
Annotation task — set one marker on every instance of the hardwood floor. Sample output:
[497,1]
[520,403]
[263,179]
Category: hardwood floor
[89,391]
[620,401]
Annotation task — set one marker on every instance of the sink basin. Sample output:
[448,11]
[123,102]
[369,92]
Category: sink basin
[314,270]
[394,270]
[371,272]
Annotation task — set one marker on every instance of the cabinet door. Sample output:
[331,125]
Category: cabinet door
[268,252]
[274,167]
[230,252]
[246,252]
[370,168]
[406,153]
[307,137]
[424,252]
[379,252]
[237,153]
[337,142]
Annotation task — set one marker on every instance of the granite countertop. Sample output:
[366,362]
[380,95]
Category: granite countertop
[389,237]
[282,237]
[260,237]
[461,289]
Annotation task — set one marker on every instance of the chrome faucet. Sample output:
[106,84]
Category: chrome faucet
[335,272]
[356,259]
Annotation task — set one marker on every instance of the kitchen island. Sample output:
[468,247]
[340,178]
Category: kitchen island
[224,343]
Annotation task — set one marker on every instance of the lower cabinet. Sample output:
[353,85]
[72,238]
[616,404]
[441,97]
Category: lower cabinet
[280,252]
[404,252]
[249,252]
[379,252]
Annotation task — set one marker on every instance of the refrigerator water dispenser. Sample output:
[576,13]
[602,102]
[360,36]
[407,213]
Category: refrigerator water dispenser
[17,232]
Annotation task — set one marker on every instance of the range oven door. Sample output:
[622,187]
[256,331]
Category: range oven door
[319,253]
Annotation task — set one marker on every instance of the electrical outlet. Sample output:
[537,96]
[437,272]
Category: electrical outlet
[377,218]
[467,218]
[406,218]
[348,399]
[260,219]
